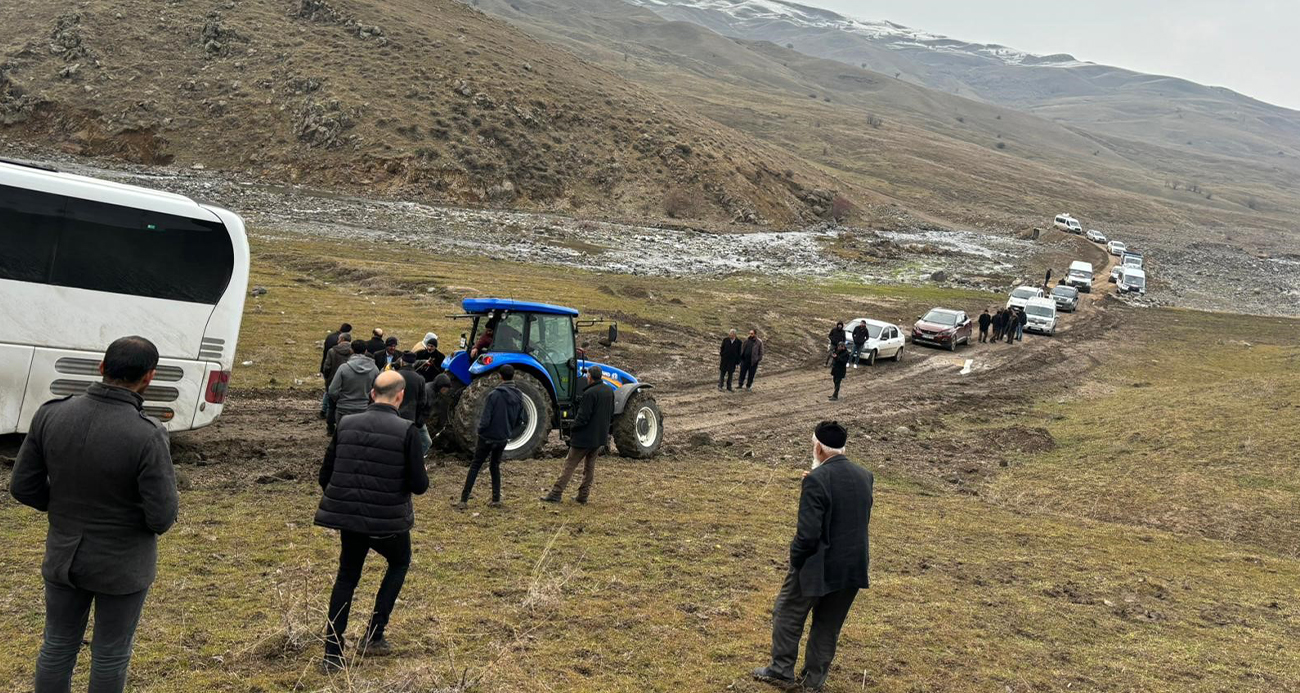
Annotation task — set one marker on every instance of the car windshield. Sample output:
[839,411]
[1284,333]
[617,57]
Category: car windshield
[1024,293]
[1133,261]
[1040,311]
[941,317]
[1135,281]
[1065,291]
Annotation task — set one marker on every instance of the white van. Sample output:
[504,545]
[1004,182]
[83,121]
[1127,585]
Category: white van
[85,261]
[1067,223]
[1040,316]
[1021,294]
[1080,276]
[1131,280]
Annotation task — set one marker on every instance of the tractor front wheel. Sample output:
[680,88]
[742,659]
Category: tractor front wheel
[538,415]
[639,430]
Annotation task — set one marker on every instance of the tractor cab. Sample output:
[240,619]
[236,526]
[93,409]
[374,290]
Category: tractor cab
[540,342]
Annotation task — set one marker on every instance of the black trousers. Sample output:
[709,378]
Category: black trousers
[788,618]
[725,373]
[837,380]
[747,371]
[984,334]
[490,453]
[396,549]
[67,609]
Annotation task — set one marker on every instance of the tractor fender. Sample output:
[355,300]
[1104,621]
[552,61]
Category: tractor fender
[519,361]
[625,392]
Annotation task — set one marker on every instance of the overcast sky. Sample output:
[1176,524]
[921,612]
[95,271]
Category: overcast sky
[1250,46]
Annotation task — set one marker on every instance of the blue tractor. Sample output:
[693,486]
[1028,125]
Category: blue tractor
[539,341]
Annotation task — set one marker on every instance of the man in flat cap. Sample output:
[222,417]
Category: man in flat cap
[828,562]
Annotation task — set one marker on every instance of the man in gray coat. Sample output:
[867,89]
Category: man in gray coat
[350,389]
[590,434]
[102,470]
[828,562]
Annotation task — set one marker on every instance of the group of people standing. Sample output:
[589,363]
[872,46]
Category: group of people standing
[746,355]
[1008,323]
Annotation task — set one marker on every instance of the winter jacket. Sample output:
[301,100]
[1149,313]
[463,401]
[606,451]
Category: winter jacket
[429,363]
[331,340]
[503,414]
[860,335]
[836,335]
[839,364]
[334,358]
[1000,321]
[985,321]
[371,468]
[374,345]
[591,422]
[1022,317]
[439,404]
[102,470]
[729,354]
[415,406]
[831,549]
[350,388]
[383,359]
[752,351]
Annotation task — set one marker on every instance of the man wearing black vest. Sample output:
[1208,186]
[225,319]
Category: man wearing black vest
[828,562]
[371,468]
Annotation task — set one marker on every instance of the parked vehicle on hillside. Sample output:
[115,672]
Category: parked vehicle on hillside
[884,340]
[942,327]
[1067,223]
[1131,280]
[1040,316]
[1079,276]
[1021,295]
[1066,297]
[85,261]
[1114,273]
[1096,236]
[537,340]
[1131,258]
[1115,248]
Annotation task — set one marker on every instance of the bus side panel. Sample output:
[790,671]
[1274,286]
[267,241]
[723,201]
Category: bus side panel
[176,389]
[15,364]
[222,330]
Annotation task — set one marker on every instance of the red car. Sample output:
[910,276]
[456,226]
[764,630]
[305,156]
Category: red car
[943,327]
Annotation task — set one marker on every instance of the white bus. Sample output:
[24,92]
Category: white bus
[85,261]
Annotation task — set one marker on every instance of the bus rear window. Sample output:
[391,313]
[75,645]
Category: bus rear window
[122,250]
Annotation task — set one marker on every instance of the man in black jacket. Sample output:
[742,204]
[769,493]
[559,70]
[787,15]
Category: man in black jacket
[836,337]
[371,468]
[728,359]
[999,323]
[376,342]
[985,321]
[331,340]
[590,434]
[503,414]
[860,336]
[839,368]
[389,356]
[102,470]
[415,400]
[828,562]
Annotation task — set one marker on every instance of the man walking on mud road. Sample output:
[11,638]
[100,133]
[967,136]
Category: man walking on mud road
[839,368]
[102,470]
[985,321]
[751,354]
[331,341]
[590,434]
[828,563]
[371,468]
[728,359]
[503,414]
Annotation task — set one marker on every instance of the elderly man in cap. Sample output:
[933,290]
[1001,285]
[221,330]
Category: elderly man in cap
[828,562]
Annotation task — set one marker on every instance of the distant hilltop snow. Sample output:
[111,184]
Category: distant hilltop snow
[888,34]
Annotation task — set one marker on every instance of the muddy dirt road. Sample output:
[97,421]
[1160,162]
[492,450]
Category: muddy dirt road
[266,436]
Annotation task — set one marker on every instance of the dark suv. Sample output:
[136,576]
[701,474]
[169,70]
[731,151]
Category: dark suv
[942,327]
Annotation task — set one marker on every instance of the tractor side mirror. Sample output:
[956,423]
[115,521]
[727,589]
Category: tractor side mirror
[613,333]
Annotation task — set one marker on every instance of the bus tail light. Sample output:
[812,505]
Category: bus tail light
[218,381]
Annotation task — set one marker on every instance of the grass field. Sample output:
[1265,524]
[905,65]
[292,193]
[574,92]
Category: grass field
[1151,548]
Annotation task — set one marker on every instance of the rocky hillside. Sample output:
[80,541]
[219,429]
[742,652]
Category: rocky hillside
[423,98]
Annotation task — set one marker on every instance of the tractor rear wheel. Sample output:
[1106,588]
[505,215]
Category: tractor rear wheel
[639,430]
[538,415]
